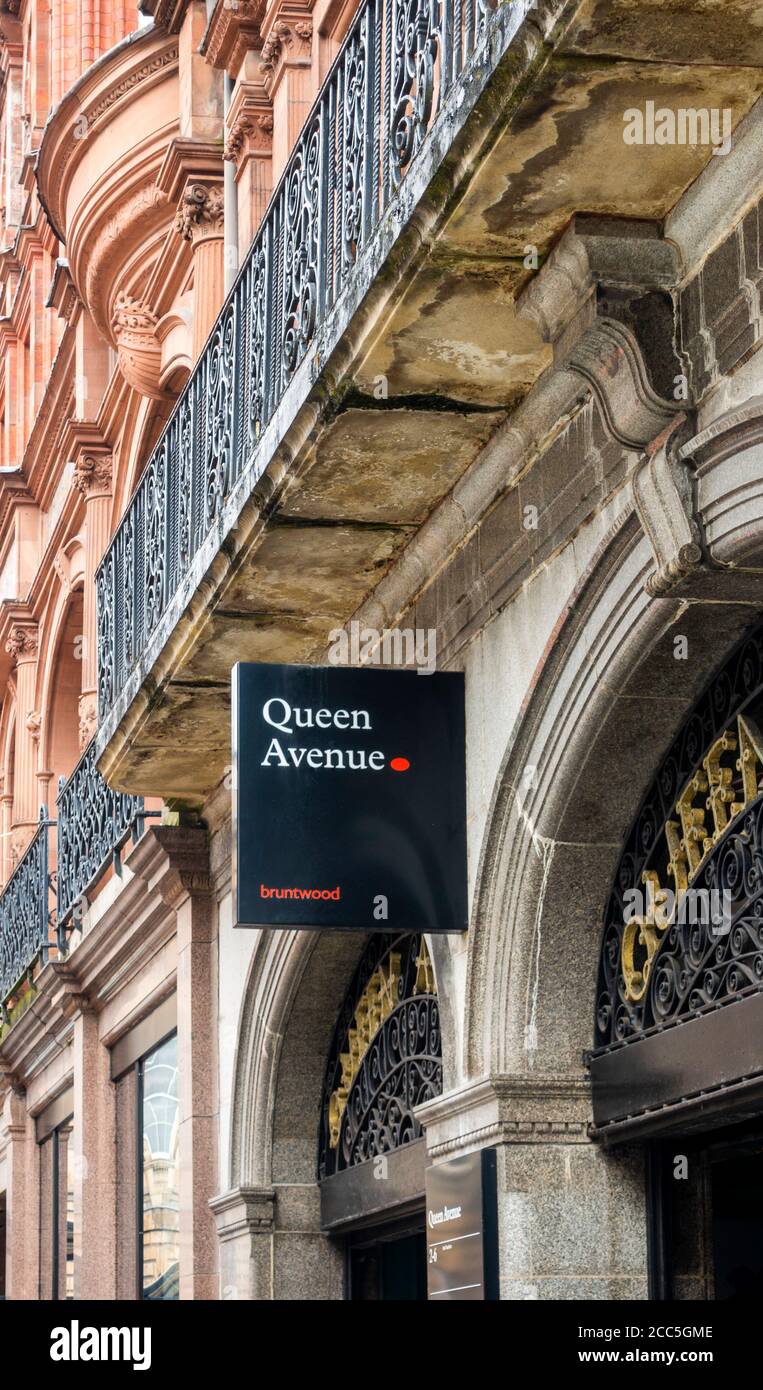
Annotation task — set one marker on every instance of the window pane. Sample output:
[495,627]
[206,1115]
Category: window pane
[159,1139]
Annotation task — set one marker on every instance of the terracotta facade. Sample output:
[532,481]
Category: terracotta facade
[114,145]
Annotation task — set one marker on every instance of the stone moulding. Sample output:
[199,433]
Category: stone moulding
[76,116]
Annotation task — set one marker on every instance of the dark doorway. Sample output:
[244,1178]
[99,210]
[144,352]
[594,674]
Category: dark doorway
[387,1265]
[737,1214]
[705,1215]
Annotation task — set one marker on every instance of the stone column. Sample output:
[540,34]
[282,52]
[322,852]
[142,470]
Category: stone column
[571,1216]
[185,886]
[286,65]
[201,220]
[249,145]
[22,645]
[22,1198]
[192,177]
[93,1156]
[6,821]
[92,478]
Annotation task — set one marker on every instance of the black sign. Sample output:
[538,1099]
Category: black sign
[349,798]
[462,1228]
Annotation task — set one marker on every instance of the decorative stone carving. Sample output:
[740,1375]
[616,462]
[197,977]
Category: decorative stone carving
[92,474]
[201,212]
[22,643]
[291,38]
[134,327]
[34,723]
[256,131]
[88,718]
[234,30]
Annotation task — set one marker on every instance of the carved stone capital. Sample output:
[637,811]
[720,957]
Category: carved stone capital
[184,883]
[22,642]
[201,212]
[133,324]
[289,41]
[92,475]
[250,132]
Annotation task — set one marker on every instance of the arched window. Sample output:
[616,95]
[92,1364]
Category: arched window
[683,934]
[385,1057]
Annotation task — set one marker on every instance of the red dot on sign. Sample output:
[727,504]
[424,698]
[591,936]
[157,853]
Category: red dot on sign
[399,764]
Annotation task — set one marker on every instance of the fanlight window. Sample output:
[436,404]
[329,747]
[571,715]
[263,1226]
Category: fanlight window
[684,926]
[386,1055]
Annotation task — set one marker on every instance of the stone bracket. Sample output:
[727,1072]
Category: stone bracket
[663,497]
[604,300]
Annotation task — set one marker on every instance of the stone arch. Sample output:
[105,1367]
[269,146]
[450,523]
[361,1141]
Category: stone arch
[607,682]
[295,988]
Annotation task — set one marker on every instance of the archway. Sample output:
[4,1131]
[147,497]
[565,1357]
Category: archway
[305,995]
[612,689]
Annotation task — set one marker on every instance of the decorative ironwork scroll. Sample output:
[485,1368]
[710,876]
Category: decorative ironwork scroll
[684,924]
[416,42]
[379,102]
[386,1055]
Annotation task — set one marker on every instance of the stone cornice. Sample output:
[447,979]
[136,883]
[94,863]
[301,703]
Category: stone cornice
[168,14]
[187,159]
[117,947]
[242,1211]
[506,1110]
[232,32]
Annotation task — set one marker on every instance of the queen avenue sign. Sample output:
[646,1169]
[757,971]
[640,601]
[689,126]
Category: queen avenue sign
[349,799]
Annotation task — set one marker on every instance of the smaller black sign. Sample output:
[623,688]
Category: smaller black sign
[462,1228]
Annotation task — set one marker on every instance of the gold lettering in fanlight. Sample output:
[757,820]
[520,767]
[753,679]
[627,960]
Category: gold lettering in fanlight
[690,838]
[425,981]
[376,1003]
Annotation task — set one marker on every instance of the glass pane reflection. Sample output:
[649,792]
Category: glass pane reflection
[159,1139]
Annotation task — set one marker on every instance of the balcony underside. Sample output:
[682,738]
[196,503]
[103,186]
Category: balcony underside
[427,361]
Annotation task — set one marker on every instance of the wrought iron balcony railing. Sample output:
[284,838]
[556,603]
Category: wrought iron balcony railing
[94,823]
[37,905]
[395,69]
[26,923]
